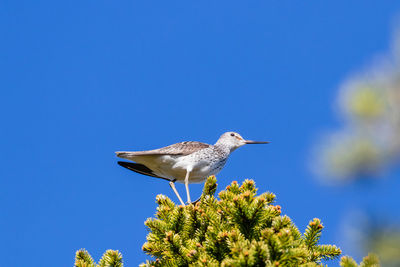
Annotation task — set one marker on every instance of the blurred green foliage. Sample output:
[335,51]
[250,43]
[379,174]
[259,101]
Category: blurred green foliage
[368,141]
[381,237]
[371,261]
[386,244]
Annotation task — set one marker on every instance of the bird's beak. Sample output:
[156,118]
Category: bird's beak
[255,142]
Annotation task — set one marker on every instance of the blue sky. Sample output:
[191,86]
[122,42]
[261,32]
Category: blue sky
[82,79]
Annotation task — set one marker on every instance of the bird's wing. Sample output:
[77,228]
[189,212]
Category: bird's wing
[184,148]
[139,168]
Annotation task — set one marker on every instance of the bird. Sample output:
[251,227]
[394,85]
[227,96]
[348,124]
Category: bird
[186,162]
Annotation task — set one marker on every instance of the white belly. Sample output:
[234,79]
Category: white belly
[199,169]
[175,167]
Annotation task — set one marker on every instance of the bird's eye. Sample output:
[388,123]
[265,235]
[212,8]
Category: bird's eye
[232,134]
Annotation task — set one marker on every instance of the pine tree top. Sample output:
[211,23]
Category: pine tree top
[239,228]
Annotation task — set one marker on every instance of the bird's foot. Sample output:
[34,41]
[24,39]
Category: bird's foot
[194,202]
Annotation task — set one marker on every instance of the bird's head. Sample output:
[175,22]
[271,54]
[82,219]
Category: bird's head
[234,140]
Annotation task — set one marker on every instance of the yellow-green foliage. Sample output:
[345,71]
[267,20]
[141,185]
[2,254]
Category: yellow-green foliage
[111,258]
[369,261]
[239,229]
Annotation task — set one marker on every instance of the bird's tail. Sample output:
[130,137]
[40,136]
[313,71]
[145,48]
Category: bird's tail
[124,154]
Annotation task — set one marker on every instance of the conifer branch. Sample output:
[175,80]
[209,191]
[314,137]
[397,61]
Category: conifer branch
[111,258]
[83,259]
[313,233]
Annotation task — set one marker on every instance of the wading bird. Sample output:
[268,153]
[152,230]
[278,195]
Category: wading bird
[186,162]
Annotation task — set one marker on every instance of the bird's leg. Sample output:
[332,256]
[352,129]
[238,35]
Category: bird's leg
[172,185]
[187,186]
